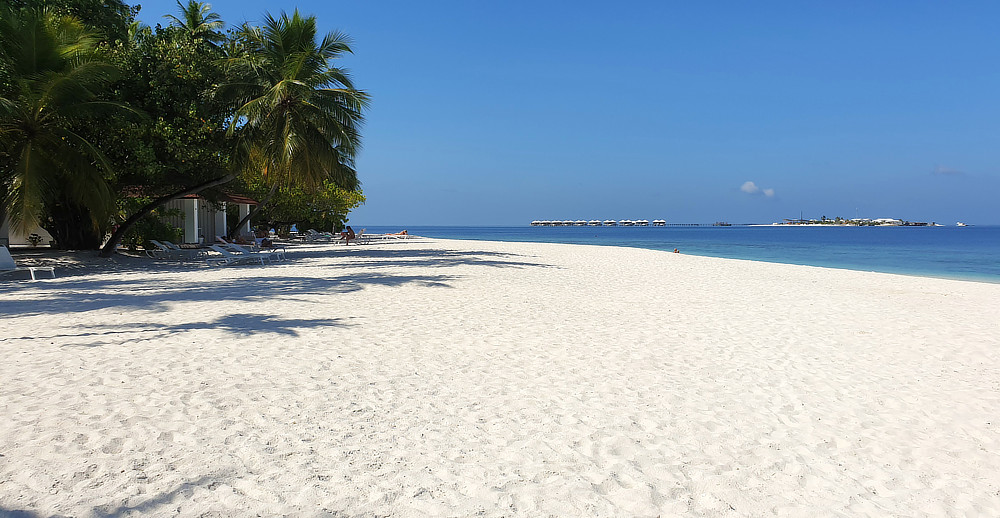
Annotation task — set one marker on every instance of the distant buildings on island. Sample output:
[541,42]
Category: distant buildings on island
[860,222]
[856,222]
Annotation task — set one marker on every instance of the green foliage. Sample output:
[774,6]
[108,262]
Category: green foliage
[96,109]
[169,77]
[109,19]
[57,78]
[198,21]
[324,208]
[297,117]
[152,226]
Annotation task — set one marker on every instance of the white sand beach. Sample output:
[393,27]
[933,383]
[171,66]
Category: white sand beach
[468,378]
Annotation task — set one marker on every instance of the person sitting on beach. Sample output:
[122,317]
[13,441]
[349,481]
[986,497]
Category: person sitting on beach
[347,235]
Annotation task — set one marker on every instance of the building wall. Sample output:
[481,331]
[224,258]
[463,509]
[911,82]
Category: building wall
[10,237]
[201,221]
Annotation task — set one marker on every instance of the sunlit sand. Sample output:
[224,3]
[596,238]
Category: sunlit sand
[464,378]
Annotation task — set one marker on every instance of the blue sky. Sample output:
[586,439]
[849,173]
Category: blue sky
[497,113]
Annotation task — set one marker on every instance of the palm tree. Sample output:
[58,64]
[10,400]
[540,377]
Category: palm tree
[56,82]
[198,21]
[297,117]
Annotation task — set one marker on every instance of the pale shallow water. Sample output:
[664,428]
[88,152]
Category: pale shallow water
[969,253]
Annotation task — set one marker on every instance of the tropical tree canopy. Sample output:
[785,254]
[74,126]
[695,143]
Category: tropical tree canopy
[109,19]
[259,109]
[198,21]
[57,79]
[297,117]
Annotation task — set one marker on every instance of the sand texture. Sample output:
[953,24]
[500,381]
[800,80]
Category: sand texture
[462,378]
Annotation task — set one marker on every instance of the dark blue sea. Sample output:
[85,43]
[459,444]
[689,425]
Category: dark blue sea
[969,253]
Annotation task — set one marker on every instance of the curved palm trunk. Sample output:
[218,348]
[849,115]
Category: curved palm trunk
[265,201]
[109,248]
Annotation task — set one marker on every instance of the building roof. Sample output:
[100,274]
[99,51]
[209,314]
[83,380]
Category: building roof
[226,197]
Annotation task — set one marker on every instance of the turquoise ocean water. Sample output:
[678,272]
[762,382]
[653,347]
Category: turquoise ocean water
[968,253]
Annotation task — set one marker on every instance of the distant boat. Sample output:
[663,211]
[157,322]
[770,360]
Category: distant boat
[721,224]
[960,224]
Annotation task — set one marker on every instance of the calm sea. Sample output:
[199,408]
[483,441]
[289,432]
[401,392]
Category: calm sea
[970,253]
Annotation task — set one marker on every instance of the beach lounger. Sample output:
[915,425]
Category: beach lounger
[162,251]
[226,244]
[313,235]
[361,239]
[229,257]
[272,255]
[183,253]
[7,265]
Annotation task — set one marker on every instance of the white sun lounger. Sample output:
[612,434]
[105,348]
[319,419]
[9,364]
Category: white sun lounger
[312,235]
[7,265]
[226,244]
[162,251]
[184,253]
[272,255]
[168,250]
[229,257]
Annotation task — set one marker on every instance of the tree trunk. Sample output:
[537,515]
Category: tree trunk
[265,201]
[116,237]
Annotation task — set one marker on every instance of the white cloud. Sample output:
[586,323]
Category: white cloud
[751,188]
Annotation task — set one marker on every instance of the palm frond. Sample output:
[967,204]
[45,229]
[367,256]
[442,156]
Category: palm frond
[300,115]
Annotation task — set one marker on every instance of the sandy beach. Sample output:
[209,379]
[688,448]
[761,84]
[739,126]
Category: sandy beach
[468,378]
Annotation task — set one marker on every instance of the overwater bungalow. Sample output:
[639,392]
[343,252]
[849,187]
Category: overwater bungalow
[610,223]
[642,223]
[659,223]
[595,223]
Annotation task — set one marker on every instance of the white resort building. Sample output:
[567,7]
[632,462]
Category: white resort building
[199,220]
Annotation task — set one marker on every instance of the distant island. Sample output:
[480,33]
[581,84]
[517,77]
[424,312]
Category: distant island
[859,222]
[824,221]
